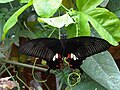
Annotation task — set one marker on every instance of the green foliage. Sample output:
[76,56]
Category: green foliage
[102,68]
[58,22]
[25,33]
[23,1]
[113,5]
[87,5]
[87,84]
[103,22]
[49,18]
[2,22]
[104,3]
[47,7]
[98,17]
[14,18]
[5,1]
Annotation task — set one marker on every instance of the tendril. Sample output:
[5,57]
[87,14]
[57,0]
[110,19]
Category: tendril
[34,75]
[77,81]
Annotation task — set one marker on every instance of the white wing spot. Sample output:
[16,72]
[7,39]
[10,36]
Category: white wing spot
[55,57]
[73,56]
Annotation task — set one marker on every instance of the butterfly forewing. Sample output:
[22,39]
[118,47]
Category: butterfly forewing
[83,47]
[44,48]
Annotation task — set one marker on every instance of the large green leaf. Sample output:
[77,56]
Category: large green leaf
[106,24]
[5,1]
[82,25]
[46,8]
[102,68]
[14,18]
[58,22]
[87,5]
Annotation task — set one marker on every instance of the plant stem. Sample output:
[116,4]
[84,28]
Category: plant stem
[2,72]
[65,8]
[51,32]
[12,77]
[24,65]
[10,4]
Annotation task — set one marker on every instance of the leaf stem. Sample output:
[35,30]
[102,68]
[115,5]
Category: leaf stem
[65,8]
[10,4]
[52,32]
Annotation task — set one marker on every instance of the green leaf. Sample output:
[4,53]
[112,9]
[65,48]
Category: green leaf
[91,85]
[82,26]
[103,69]
[2,15]
[4,10]
[26,33]
[2,22]
[46,8]
[104,3]
[15,39]
[71,30]
[87,5]
[7,45]
[58,22]
[86,83]
[2,55]
[113,5]
[117,13]
[5,1]
[14,34]
[14,18]
[23,1]
[106,24]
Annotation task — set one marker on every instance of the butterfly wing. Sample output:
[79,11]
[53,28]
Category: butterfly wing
[86,46]
[83,47]
[44,48]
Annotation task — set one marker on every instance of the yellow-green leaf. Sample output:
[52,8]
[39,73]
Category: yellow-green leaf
[46,8]
[13,19]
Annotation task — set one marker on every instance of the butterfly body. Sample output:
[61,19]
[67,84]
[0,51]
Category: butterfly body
[75,50]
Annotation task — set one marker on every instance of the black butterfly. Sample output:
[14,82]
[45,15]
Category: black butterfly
[53,50]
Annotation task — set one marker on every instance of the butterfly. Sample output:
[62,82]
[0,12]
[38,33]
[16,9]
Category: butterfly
[75,50]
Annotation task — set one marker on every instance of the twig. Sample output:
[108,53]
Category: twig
[24,65]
